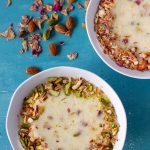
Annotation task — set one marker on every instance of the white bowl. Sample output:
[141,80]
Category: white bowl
[25,88]
[92,8]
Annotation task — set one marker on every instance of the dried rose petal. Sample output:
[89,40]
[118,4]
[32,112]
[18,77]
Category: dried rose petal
[33,7]
[38,2]
[34,37]
[72,56]
[61,43]
[42,10]
[21,51]
[9,33]
[56,6]
[25,19]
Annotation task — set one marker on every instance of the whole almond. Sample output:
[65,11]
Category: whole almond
[53,49]
[70,1]
[70,23]
[22,34]
[32,70]
[31,26]
[60,29]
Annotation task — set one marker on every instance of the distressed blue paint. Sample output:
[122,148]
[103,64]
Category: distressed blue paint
[134,93]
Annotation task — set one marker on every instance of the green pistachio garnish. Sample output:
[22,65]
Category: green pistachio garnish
[25,125]
[41,109]
[39,147]
[46,34]
[54,93]
[77,93]
[51,21]
[22,143]
[51,79]
[67,89]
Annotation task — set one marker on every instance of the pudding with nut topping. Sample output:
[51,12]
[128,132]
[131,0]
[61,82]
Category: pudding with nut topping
[67,113]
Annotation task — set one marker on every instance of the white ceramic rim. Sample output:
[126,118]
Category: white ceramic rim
[92,8]
[85,74]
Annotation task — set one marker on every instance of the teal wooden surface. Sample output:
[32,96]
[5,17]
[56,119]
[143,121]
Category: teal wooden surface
[135,94]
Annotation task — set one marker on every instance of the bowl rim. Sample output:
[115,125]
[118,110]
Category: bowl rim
[90,32]
[71,68]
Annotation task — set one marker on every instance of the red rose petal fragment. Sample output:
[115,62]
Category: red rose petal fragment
[42,10]
[61,43]
[33,7]
[56,6]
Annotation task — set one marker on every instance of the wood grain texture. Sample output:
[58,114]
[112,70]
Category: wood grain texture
[134,93]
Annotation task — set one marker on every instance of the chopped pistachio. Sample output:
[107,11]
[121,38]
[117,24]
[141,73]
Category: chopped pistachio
[46,34]
[41,109]
[77,93]
[25,125]
[54,93]
[41,88]
[51,79]
[39,147]
[67,89]
[51,21]
[22,143]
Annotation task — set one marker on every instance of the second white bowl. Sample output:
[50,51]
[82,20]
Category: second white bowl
[91,11]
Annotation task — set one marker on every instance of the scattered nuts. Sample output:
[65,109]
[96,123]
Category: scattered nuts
[31,26]
[60,29]
[70,23]
[53,49]
[32,70]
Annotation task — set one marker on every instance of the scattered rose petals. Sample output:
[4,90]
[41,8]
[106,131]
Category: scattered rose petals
[36,52]
[72,56]
[79,5]
[9,2]
[61,43]
[9,33]
[21,51]
[42,10]
[34,37]
[38,2]
[33,7]
[56,6]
